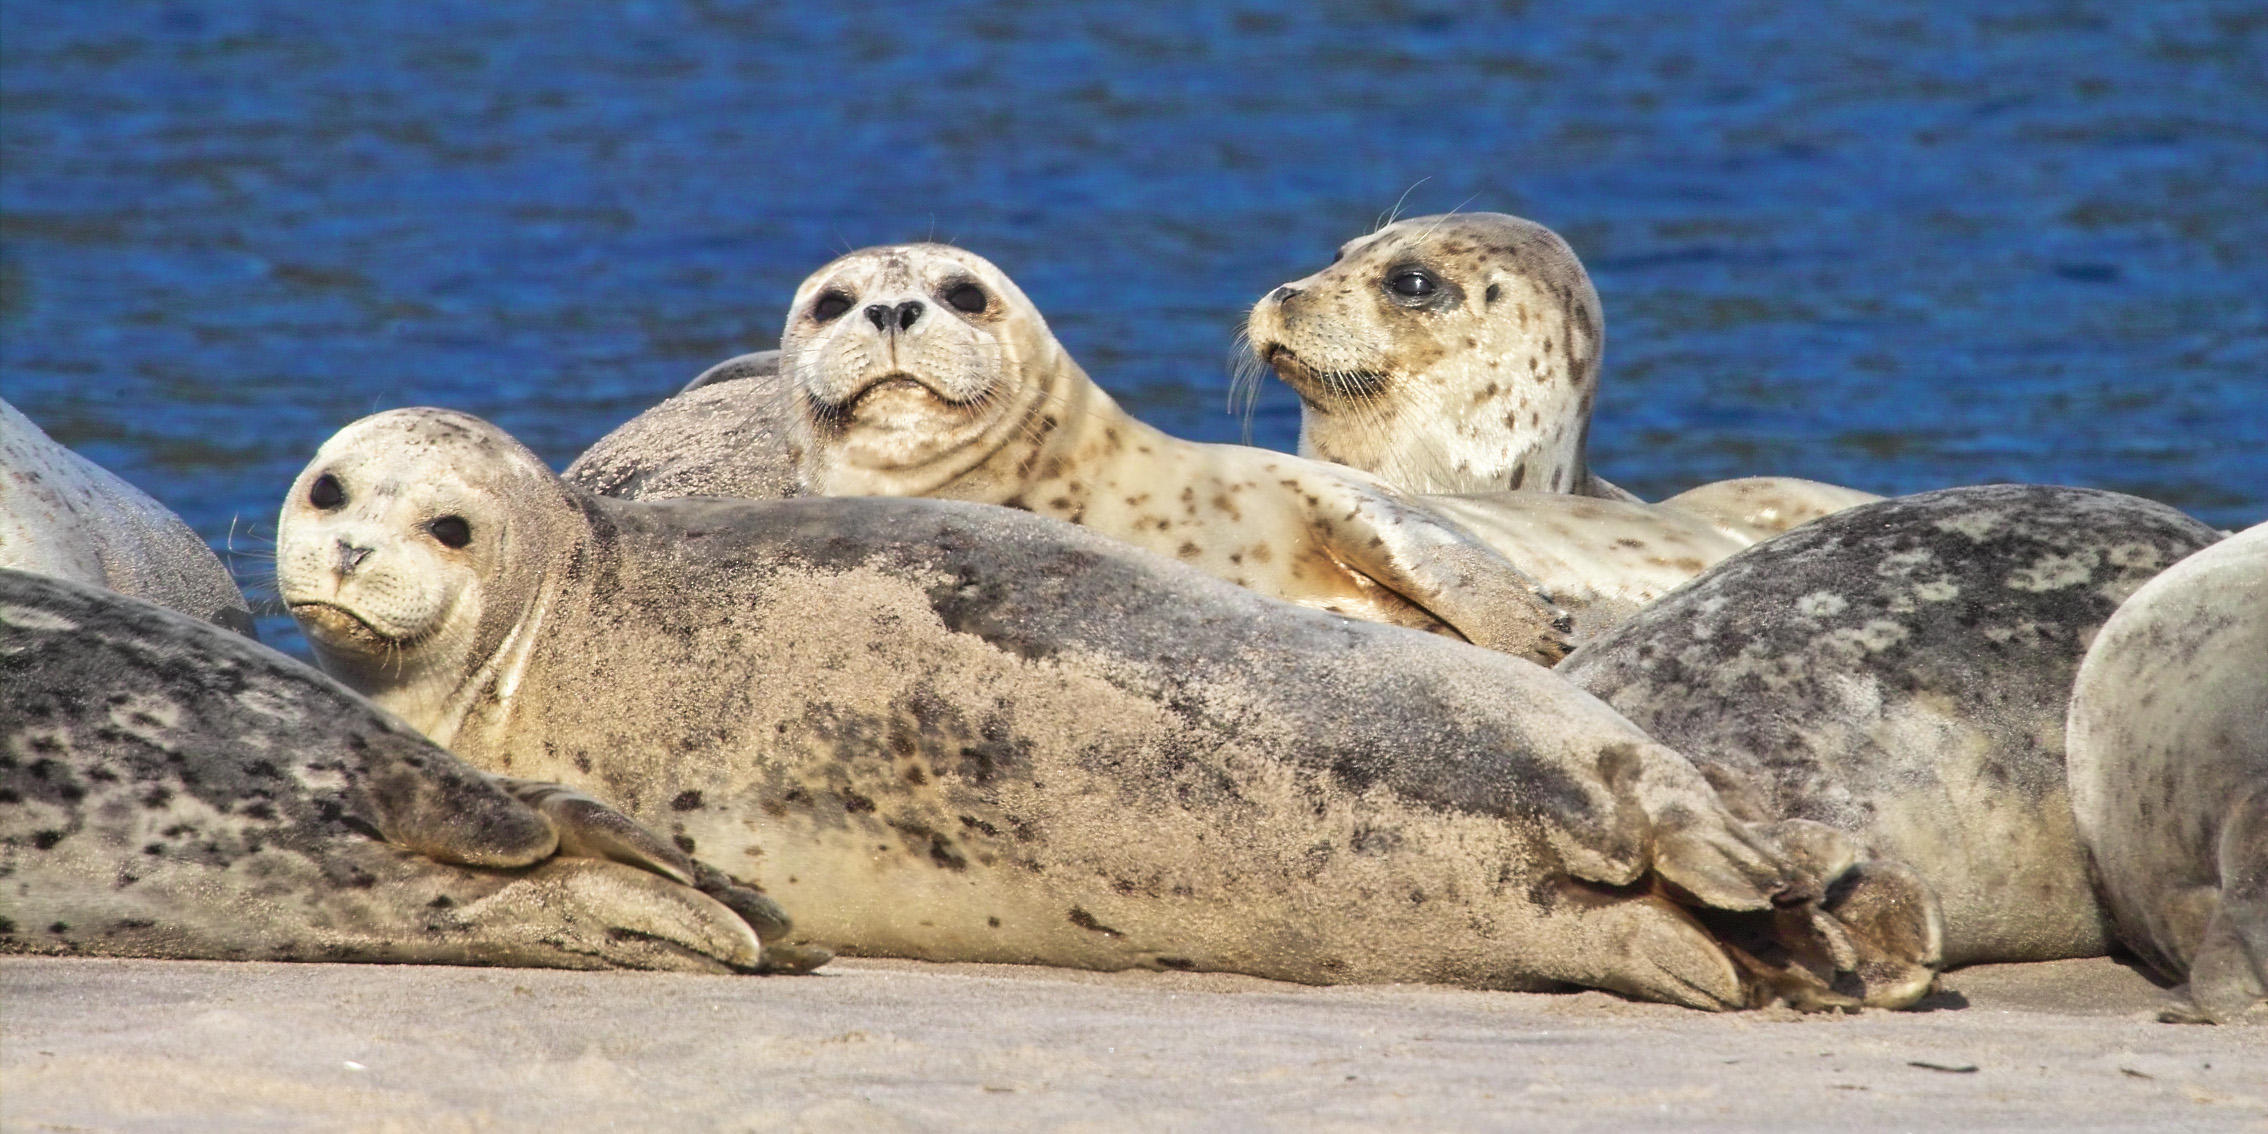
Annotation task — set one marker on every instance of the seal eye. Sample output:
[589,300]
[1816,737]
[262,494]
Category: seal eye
[326,492]
[452,531]
[968,298]
[1412,284]
[830,305]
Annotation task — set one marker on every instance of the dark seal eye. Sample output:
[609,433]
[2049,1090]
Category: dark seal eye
[1412,284]
[452,531]
[967,298]
[326,493]
[830,305]
[1338,255]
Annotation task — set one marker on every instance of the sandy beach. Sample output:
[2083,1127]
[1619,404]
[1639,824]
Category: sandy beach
[893,1045]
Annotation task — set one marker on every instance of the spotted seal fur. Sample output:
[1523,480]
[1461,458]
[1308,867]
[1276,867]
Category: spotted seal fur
[169,789]
[1899,671]
[922,370]
[2168,758]
[63,515]
[1459,354]
[949,731]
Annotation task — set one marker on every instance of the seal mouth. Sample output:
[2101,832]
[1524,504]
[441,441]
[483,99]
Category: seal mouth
[834,416]
[333,624]
[1311,383]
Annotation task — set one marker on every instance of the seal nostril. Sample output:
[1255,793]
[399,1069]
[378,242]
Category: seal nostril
[879,315]
[1283,293]
[351,557]
[909,313]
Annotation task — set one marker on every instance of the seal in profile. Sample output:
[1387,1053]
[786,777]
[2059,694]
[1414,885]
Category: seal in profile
[2168,757]
[1899,671]
[169,789]
[947,731]
[65,516]
[1460,353]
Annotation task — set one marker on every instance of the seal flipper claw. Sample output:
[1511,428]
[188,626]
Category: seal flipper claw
[588,828]
[613,915]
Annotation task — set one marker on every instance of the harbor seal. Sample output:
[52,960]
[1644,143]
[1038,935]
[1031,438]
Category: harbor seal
[949,731]
[725,434]
[1460,353]
[1899,671]
[921,370]
[63,515]
[2168,757]
[169,789]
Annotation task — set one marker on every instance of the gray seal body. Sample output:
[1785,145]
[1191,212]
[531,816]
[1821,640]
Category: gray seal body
[168,789]
[2169,775]
[725,434]
[63,515]
[1899,671]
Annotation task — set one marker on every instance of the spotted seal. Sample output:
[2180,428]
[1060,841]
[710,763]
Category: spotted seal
[922,370]
[2168,757]
[1460,353]
[724,434]
[950,731]
[63,515]
[169,789]
[1899,671]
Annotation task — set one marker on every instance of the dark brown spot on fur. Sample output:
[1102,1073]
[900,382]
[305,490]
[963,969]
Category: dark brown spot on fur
[1085,920]
[686,801]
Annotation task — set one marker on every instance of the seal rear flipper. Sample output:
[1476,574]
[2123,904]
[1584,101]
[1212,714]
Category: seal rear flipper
[580,912]
[2228,973]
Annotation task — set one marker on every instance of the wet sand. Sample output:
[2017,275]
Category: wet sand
[895,1045]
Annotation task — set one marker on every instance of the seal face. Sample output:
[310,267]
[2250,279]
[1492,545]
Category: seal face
[2168,759]
[65,516]
[958,732]
[1445,354]
[922,371]
[1460,354]
[168,789]
[1899,671]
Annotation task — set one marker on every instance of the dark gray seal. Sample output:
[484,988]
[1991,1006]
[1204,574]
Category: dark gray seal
[726,434]
[1899,671]
[63,515]
[957,732]
[2169,775]
[168,789]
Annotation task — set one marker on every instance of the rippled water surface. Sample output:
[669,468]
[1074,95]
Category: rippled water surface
[1894,245]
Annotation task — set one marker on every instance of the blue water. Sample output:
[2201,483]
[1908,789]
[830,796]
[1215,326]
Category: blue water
[1893,245]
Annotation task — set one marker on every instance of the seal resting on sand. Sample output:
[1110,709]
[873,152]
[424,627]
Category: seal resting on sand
[948,731]
[2168,755]
[169,789]
[1900,671]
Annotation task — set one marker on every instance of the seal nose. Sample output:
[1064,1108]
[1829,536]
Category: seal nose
[904,315]
[351,557]
[1283,293]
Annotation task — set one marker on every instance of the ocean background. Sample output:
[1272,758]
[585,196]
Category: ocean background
[1899,244]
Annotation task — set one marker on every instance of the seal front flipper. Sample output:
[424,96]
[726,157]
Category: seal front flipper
[1441,568]
[2228,975]
[588,828]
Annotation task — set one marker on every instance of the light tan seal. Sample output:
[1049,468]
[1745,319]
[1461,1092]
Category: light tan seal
[2168,756]
[1460,353]
[921,370]
[949,731]
[169,789]
[63,515]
